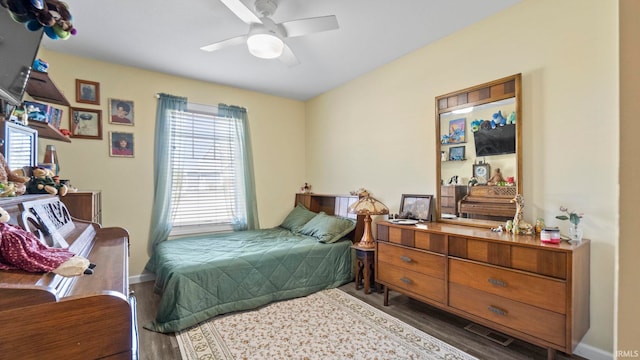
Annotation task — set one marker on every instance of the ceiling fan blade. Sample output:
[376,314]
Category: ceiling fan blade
[310,25]
[288,57]
[242,11]
[225,43]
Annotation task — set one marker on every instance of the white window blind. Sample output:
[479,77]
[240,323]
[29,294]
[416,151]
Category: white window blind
[204,172]
[20,146]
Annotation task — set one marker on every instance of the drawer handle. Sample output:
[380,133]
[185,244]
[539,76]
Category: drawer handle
[406,281]
[406,259]
[497,282]
[497,310]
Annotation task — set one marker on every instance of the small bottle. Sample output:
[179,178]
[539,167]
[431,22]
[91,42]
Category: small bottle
[539,225]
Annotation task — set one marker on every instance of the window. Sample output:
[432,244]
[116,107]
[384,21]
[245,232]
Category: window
[206,172]
[20,145]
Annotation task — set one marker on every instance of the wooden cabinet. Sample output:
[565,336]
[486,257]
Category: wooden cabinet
[514,284]
[449,197]
[84,205]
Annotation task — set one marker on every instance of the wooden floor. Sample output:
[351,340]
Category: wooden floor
[446,327]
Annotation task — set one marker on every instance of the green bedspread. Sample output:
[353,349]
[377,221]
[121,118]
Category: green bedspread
[201,277]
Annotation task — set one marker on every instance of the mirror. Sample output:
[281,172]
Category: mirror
[479,157]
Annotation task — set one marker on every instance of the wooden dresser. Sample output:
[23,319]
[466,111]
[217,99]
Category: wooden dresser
[450,195]
[84,205]
[513,284]
[48,316]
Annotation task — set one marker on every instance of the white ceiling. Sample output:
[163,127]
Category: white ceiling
[166,36]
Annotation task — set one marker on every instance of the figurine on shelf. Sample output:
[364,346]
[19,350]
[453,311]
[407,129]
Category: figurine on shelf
[496,178]
[306,188]
[519,225]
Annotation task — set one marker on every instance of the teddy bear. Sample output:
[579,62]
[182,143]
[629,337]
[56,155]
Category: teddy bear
[20,249]
[11,182]
[42,182]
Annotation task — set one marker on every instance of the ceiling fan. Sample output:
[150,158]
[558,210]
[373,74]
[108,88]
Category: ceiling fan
[265,38]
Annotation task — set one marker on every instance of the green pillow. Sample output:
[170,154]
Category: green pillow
[328,229]
[296,219]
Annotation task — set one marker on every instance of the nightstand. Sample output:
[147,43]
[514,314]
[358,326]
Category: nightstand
[365,268]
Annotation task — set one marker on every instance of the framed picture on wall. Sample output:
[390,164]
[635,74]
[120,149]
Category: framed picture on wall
[121,144]
[85,123]
[87,92]
[456,153]
[457,131]
[416,207]
[120,112]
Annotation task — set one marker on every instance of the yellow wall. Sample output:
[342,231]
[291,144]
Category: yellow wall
[276,124]
[629,248]
[377,131]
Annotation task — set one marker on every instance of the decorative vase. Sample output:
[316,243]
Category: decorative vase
[575,232]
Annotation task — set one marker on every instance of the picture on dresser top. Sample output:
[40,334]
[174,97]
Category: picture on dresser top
[416,207]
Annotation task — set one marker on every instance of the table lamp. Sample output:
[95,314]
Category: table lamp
[367,206]
[51,157]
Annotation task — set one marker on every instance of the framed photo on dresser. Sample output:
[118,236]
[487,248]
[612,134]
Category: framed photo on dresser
[416,207]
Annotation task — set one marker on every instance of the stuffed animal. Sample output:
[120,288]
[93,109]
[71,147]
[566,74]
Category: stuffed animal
[53,15]
[496,178]
[11,182]
[498,120]
[20,249]
[42,182]
[475,124]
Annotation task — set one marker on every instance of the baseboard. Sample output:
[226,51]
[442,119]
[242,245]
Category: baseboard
[144,277]
[592,353]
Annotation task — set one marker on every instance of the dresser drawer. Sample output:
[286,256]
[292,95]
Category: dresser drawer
[540,323]
[535,290]
[448,201]
[411,259]
[412,281]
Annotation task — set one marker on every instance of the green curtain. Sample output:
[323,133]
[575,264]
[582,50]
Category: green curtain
[162,169]
[247,219]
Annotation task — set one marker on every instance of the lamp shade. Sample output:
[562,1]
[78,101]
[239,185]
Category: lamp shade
[368,205]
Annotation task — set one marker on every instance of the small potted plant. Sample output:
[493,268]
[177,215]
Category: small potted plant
[575,229]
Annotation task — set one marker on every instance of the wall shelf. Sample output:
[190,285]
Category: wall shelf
[47,131]
[41,87]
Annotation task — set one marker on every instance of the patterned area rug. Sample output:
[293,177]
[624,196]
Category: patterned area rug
[326,325]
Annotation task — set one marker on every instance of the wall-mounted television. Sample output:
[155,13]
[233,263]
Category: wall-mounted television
[498,141]
[18,49]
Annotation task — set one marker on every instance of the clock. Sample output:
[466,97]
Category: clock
[481,173]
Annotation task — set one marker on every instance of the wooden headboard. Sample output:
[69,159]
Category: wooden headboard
[333,205]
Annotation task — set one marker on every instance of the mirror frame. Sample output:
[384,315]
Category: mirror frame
[504,88]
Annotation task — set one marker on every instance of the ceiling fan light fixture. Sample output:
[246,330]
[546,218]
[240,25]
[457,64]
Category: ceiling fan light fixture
[265,46]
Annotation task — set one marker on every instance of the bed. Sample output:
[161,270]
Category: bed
[201,277]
